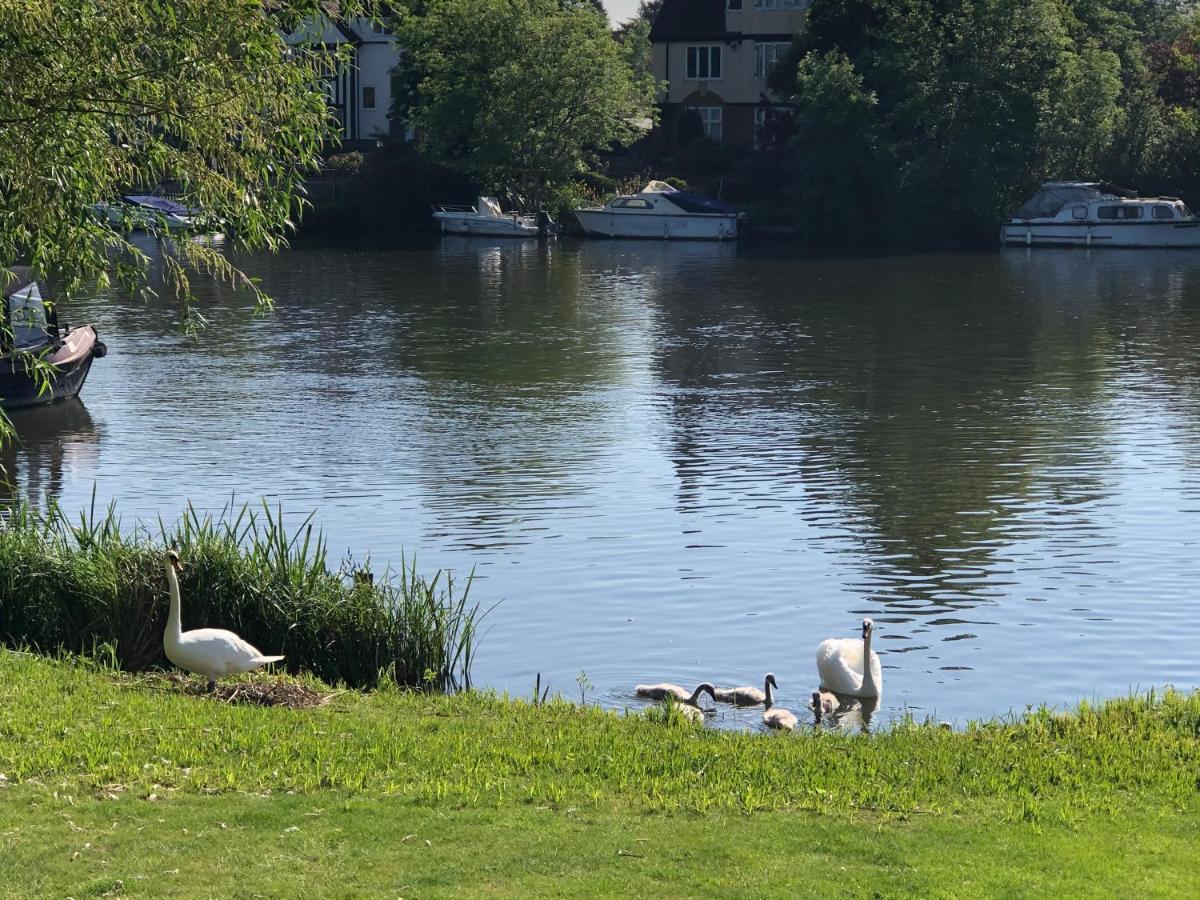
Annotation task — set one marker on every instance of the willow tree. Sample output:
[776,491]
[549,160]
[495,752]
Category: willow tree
[518,94]
[101,97]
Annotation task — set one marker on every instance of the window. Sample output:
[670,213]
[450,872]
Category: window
[1119,212]
[780,4]
[704,62]
[710,119]
[734,5]
[1079,212]
[368,98]
[1162,211]
[766,55]
[638,203]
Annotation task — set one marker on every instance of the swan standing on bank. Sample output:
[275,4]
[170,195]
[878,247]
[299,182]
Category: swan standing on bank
[840,663]
[746,696]
[211,652]
[664,690]
[777,716]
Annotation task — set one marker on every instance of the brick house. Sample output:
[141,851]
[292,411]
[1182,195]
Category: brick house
[715,56]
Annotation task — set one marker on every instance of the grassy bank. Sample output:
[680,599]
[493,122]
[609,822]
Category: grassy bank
[117,778]
[91,583]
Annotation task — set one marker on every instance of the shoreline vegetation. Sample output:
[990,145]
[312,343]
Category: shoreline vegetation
[121,783]
[92,586]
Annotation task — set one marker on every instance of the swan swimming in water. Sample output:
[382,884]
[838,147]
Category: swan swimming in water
[823,704]
[746,696]
[840,663]
[211,652]
[777,716]
[665,689]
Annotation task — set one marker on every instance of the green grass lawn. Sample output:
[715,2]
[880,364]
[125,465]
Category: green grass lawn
[120,785]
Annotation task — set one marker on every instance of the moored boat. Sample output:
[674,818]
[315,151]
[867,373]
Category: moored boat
[29,332]
[661,211]
[150,213]
[487,218]
[1096,214]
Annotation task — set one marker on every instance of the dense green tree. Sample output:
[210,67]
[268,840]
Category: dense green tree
[975,101]
[98,97]
[518,94]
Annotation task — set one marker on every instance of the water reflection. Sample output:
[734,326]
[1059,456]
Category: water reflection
[53,443]
[687,462]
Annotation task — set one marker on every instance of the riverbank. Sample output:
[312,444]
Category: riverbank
[113,778]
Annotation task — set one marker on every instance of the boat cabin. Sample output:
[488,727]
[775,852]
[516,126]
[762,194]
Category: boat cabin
[27,323]
[1098,202]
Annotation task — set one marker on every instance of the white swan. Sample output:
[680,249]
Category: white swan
[211,652]
[777,716]
[840,663]
[664,690]
[746,696]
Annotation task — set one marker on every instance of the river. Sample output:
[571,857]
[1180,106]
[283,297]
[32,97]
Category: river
[687,461]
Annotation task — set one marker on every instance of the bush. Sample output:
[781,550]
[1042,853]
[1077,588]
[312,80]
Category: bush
[79,586]
[344,163]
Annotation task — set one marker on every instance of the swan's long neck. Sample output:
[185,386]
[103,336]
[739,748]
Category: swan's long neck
[869,686]
[174,627]
[695,698]
[770,701]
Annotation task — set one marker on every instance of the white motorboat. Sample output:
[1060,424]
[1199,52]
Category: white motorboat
[149,213]
[660,211]
[486,218]
[1095,214]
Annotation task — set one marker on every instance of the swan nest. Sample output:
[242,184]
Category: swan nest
[255,693]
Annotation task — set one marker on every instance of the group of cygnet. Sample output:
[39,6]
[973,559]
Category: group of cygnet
[848,668]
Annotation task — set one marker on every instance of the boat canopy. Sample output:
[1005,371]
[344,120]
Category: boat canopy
[1053,196]
[24,312]
[161,204]
[696,203]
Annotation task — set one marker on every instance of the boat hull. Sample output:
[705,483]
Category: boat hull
[1184,233]
[457,223]
[661,226]
[19,389]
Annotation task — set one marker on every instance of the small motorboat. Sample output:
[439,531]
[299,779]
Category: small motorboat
[147,212]
[29,331]
[487,218]
[1096,214]
[660,211]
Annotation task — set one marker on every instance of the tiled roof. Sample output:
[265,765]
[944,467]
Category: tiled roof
[685,20]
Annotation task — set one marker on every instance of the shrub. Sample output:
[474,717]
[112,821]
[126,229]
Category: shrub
[76,586]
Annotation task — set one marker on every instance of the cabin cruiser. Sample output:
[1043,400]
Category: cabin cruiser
[487,218]
[150,213]
[1096,214]
[29,329]
[660,211]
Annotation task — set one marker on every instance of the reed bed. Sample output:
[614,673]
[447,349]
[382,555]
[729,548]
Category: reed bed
[90,583]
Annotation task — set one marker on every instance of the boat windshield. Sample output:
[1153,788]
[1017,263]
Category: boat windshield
[27,316]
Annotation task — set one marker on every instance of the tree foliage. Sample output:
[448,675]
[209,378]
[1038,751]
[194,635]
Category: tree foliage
[973,102]
[104,97]
[518,94]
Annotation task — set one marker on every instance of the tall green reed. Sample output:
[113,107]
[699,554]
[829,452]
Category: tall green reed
[76,584]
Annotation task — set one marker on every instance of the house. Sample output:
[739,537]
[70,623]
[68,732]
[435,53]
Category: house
[715,56]
[359,93]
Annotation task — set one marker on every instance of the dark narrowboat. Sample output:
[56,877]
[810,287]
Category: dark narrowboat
[29,331]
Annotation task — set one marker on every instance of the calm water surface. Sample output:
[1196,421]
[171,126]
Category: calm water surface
[688,461]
